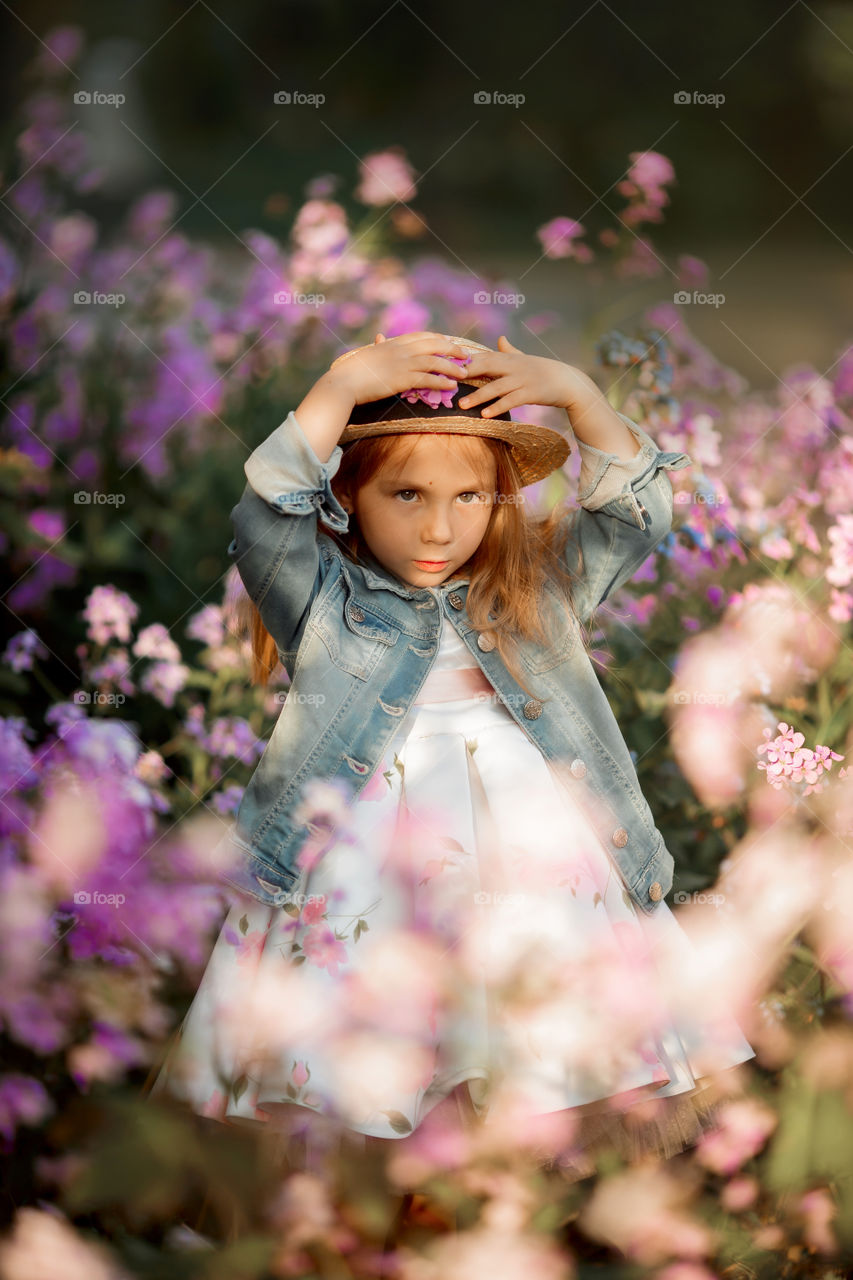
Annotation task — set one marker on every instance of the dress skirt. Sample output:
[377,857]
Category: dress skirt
[466,931]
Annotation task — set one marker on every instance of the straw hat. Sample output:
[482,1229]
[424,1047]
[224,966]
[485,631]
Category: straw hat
[537,450]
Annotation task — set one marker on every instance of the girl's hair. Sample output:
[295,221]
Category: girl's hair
[507,572]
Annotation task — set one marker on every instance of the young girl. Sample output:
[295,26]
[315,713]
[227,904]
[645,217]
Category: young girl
[451,886]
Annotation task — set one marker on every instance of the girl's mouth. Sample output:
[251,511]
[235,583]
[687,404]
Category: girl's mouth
[431,564]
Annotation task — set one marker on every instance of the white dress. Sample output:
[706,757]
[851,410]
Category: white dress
[426,954]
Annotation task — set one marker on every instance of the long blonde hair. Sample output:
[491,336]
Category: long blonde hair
[508,571]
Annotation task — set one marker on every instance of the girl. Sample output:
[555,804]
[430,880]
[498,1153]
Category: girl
[451,886]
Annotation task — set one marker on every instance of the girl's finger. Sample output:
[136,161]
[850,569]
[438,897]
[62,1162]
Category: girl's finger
[488,392]
[507,402]
[435,380]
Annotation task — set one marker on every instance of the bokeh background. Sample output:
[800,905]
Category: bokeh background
[763,177]
[201,206]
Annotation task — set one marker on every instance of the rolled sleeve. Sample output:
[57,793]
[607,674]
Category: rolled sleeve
[606,478]
[624,512]
[603,475]
[285,471]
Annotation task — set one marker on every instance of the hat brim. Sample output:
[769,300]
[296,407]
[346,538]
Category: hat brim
[536,450]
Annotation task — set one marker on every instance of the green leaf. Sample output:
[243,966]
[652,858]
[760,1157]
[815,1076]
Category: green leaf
[239,1087]
[244,925]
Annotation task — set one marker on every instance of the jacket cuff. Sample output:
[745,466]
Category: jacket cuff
[605,476]
[285,471]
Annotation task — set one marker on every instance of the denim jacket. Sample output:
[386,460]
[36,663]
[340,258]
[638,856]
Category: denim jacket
[366,641]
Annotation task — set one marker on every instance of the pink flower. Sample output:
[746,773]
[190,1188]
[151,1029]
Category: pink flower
[558,237]
[435,397]
[386,177]
[109,614]
[154,641]
[300,1073]
[323,949]
[250,946]
[788,761]
[743,1127]
[313,910]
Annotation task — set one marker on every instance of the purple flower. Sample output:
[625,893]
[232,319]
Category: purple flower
[234,736]
[154,641]
[109,614]
[16,758]
[207,626]
[227,801]
[60,49]
[558,237]
[23,1100]
[23,649]
[164,680]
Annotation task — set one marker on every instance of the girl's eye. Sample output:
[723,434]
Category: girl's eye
[469,493]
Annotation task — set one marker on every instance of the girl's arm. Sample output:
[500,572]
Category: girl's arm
[275,545]
[288,494]
[625,499]
[624,512]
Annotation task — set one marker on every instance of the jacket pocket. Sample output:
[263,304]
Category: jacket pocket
[355,634]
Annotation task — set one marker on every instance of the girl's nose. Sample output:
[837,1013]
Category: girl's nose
[436,528]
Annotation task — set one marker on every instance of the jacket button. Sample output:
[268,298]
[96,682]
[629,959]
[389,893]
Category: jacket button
[356,614]
[620,837]
[532,709]
[486,641]
[578,768]
[655,892]
[455,599]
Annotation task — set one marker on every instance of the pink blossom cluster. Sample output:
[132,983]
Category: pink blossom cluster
[788,761]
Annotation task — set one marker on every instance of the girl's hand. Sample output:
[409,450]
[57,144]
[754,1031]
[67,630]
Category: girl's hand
[394,365]
[520,379]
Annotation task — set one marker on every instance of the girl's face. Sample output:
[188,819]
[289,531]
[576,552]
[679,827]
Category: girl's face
[425,516]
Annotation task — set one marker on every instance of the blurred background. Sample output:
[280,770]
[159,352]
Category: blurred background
[763,173]
[201,205]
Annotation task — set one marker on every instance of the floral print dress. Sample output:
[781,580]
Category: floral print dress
[470,927]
